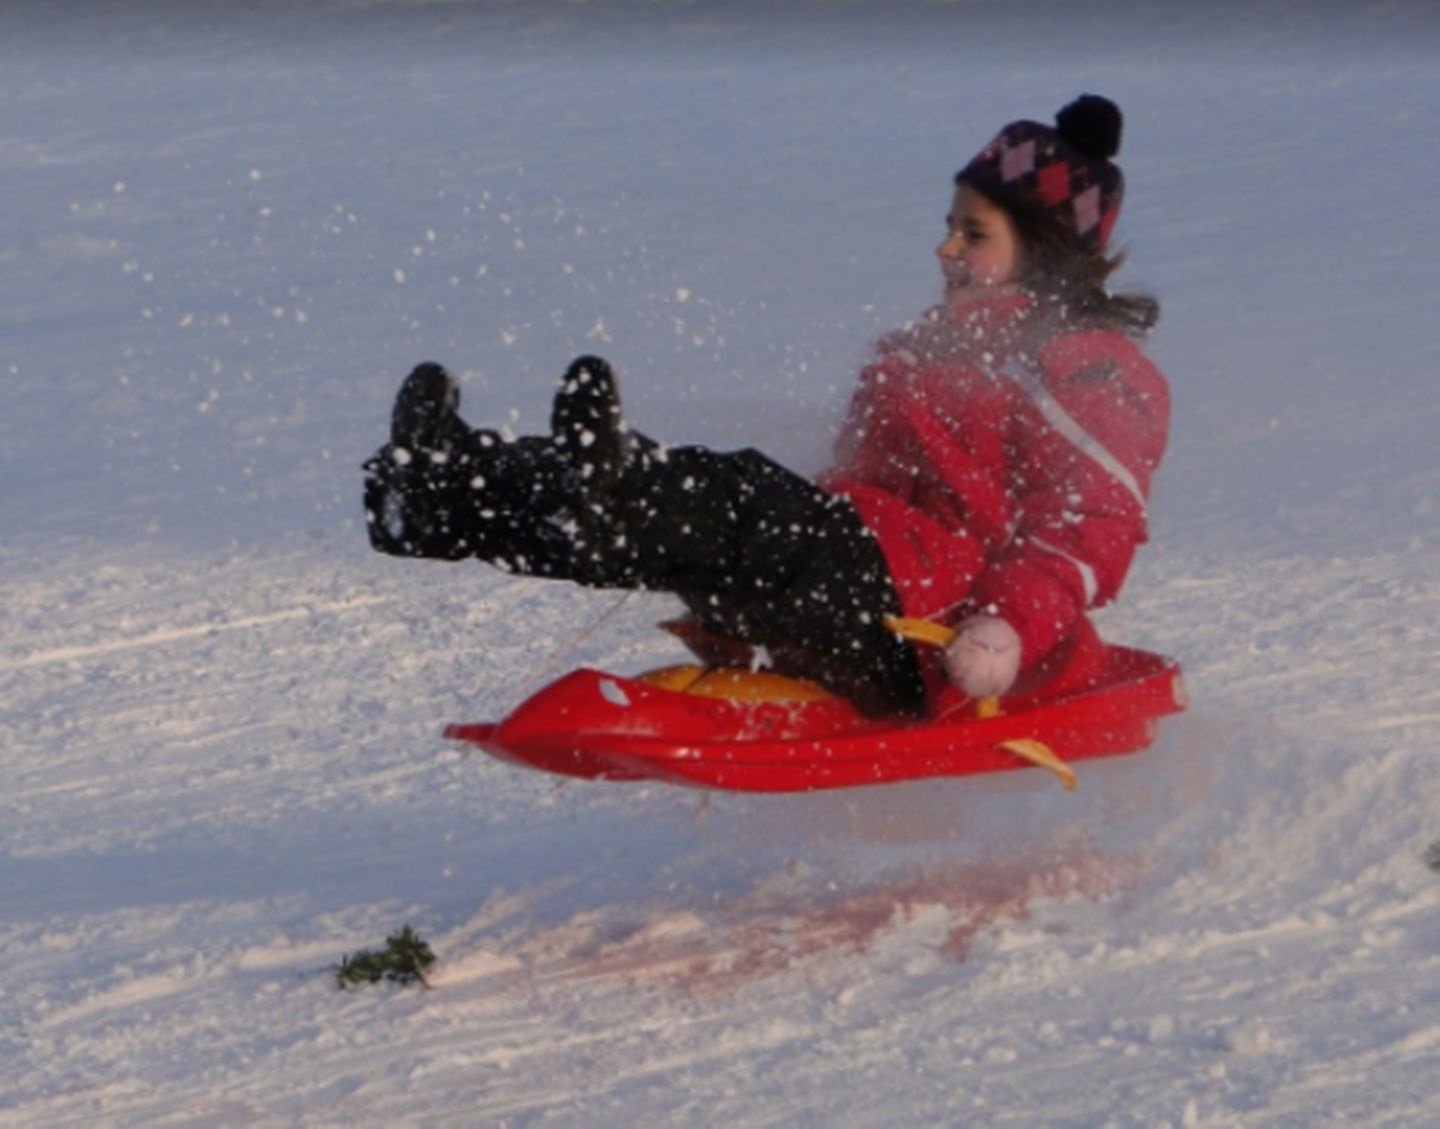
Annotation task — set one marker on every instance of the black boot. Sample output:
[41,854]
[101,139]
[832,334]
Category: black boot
[590,435]
[586,425]
[425,417]
[444,491]
[411,482]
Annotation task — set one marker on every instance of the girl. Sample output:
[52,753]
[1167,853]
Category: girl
[992,473]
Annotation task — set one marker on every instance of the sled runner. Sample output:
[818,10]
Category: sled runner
[756,731]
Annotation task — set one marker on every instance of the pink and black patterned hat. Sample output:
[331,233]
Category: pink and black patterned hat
[1065,171]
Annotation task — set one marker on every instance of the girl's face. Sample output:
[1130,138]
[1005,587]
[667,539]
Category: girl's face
[981,248]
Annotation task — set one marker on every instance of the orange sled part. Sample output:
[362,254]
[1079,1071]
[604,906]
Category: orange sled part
[727,729]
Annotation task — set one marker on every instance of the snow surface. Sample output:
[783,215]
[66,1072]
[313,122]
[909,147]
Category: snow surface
[229,229]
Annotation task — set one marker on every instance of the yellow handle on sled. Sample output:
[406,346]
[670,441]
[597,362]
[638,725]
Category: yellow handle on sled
[921,630]
[1041,755]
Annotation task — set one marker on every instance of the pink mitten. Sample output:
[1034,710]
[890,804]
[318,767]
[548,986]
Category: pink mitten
[984,658]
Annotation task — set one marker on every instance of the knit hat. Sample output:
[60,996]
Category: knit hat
[1066,171]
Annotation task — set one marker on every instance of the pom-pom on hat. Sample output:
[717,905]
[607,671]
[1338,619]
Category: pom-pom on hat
[1064,170]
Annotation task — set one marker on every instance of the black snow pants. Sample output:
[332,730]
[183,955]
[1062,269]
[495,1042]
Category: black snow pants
[756,553]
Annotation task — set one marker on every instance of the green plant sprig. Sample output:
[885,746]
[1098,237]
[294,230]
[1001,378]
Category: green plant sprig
[404,960]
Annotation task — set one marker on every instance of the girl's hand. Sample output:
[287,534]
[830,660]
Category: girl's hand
[984,658]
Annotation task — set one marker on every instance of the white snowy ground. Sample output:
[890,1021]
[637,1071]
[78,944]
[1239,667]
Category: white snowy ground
[228,230]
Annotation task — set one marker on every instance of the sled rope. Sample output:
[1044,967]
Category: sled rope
[560,653]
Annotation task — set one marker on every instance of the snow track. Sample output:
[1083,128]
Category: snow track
[1217,922]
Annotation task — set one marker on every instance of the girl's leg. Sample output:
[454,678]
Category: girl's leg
[755,551]
[760,554]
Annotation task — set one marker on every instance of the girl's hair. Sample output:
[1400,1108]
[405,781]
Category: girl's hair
[1055,265]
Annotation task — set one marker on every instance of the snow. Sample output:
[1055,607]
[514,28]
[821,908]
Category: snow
[230,229]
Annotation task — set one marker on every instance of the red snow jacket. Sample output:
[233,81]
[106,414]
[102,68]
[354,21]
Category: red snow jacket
[1003,461]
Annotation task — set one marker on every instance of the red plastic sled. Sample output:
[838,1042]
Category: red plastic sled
[762,732]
